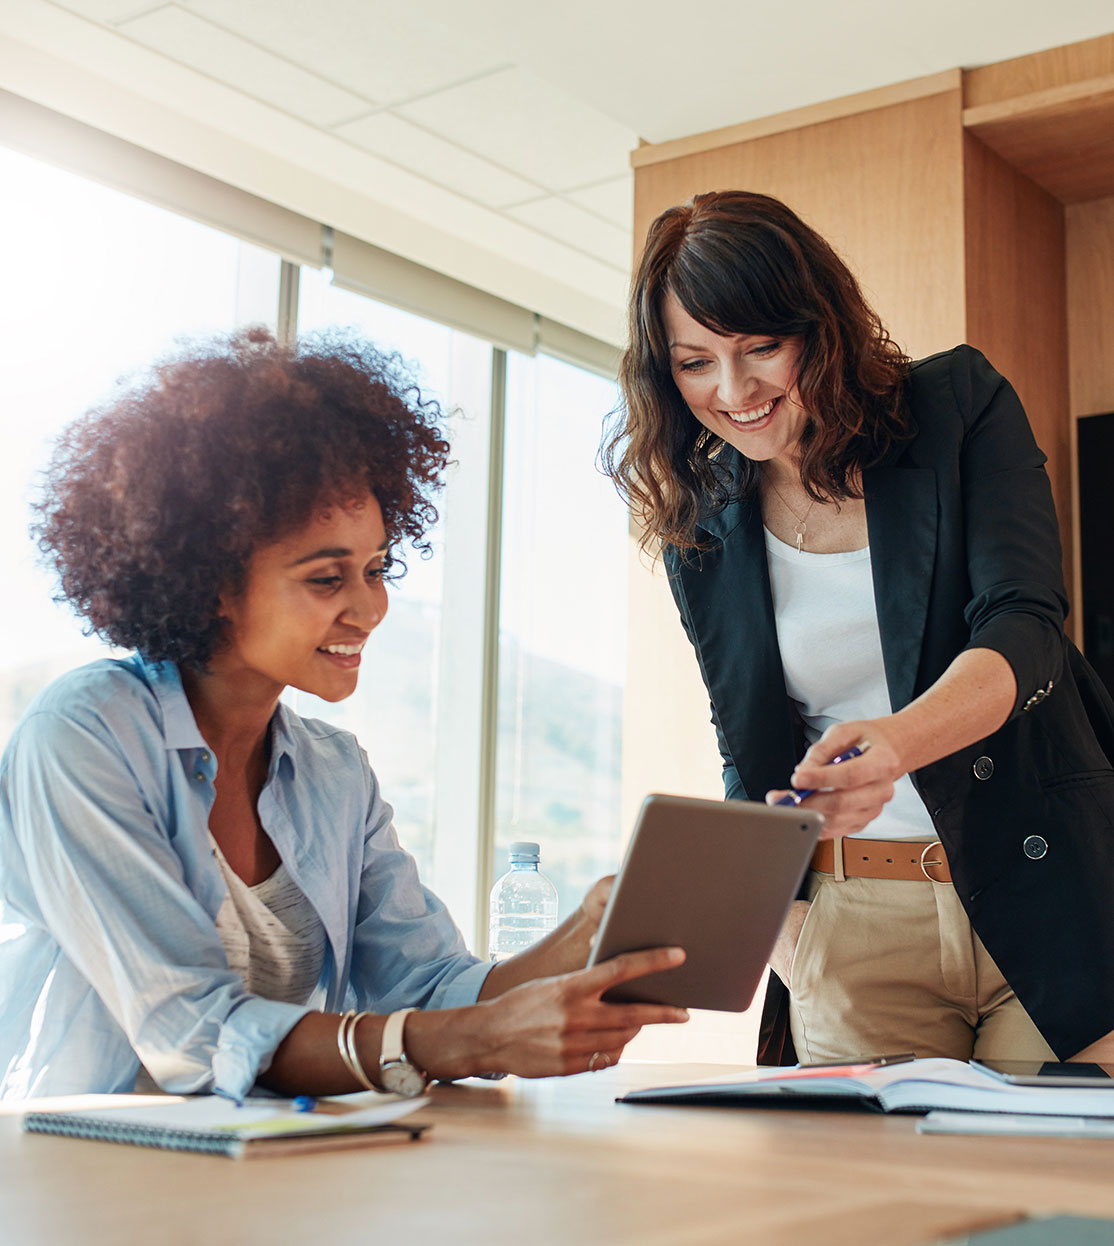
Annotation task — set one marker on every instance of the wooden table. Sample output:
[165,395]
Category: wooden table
[558,1161]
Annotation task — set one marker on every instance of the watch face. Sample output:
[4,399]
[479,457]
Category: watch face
[399,1077]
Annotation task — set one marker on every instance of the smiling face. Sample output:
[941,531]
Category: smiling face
[741,387]
[308,604]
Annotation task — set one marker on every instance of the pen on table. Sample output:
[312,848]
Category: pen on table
[798,794]
[322,1107]
[902,1057]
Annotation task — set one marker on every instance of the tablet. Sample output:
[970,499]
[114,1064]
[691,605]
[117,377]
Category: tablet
[715,877]
[1049,1073]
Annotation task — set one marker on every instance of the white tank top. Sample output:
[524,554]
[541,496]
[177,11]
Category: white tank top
[831,653]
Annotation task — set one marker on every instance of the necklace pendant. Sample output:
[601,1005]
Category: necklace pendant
[800,531]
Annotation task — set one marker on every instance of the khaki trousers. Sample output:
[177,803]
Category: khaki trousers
[883,967]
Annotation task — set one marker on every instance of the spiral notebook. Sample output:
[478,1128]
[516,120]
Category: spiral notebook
[218,1126]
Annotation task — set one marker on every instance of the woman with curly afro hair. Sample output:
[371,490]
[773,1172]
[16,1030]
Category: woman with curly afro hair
[197,884]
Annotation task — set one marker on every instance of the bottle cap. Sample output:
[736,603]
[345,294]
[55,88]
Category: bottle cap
[521,850]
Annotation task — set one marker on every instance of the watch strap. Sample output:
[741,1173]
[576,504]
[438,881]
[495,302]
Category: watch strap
[391,1050]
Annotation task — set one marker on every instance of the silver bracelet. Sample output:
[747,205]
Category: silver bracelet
[342,1046]
[346,1044]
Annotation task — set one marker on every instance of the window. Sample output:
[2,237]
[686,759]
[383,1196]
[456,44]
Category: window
[95,285]
[562,629]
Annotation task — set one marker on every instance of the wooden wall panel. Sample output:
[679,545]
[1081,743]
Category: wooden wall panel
[1017,303]
[799,118]
[1040,71]
[885,187]
[1090,281]
[1061,138]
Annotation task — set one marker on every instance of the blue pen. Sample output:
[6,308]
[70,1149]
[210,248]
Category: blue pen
[798,794]
[304,1103]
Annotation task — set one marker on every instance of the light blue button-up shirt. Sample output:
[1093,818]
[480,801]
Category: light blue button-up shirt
[109,954]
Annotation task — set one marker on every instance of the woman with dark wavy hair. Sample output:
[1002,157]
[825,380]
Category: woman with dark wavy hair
[194,880]
[865,556]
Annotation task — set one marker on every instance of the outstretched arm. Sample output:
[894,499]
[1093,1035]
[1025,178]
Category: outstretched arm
[1014,612]
[551,1027]
[970,701]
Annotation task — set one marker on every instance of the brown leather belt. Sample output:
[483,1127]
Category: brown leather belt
[906,860]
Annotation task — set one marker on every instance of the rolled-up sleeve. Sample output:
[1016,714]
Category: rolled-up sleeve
[93,866]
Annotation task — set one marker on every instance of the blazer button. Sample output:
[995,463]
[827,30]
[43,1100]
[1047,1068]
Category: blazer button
[983,768]
[1035,847]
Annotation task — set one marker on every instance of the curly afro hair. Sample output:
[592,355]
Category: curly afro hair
[155,501]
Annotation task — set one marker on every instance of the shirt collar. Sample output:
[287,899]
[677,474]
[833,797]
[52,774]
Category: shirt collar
[284,738]
[179,725]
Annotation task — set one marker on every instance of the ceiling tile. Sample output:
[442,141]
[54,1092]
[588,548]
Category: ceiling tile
[613,200]
[577,228]
[437,159]
[372,47]
[108,10]
[195,42]
[667,71]
[522,123]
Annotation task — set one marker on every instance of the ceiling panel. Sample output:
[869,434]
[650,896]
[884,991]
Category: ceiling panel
[667,72]
[195,42]
[443,162]
[371,47]
[522,123]
[577,228]
[108,10]
[613,200]
[485,137]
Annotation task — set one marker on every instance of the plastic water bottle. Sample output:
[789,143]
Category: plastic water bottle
[523,904]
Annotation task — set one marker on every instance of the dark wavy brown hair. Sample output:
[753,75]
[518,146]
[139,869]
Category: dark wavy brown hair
[744,263]
[154,502]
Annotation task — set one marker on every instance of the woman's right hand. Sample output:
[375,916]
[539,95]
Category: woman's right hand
[781,958]
[549,1027]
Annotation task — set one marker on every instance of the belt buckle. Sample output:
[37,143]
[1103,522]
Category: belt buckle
[924,864]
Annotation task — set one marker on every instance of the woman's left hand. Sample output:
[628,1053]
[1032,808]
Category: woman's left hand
[594,903]
[562,951]
[852,794]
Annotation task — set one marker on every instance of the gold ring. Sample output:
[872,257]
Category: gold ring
[598,1055]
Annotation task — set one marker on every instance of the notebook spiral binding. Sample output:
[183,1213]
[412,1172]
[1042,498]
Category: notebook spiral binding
[166,1139]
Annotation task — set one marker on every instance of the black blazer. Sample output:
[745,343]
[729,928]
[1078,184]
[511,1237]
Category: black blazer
[965,553]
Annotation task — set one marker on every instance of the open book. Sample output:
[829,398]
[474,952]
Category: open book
[217,1126]
[916,1086]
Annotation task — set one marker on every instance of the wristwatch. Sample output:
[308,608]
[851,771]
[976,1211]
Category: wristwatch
[396,1073]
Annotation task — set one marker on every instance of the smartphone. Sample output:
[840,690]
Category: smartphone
[1049,1073]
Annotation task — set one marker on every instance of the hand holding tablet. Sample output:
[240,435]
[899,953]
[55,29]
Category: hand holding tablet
[715,878]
